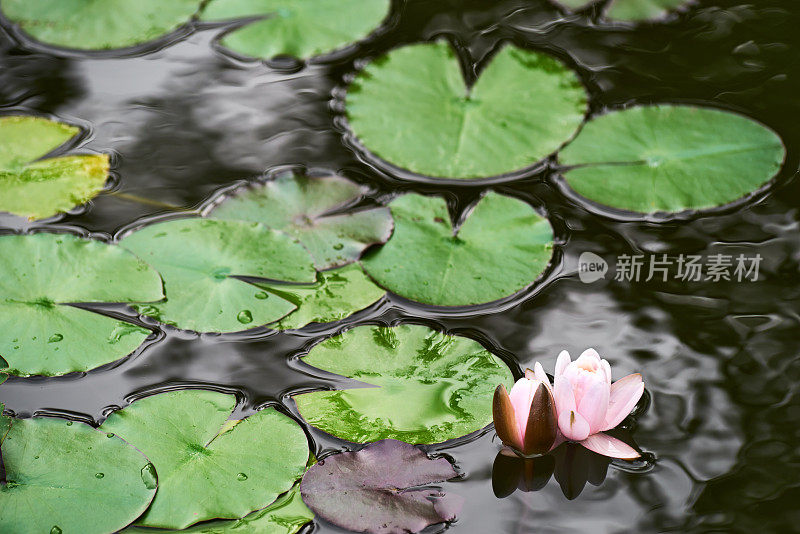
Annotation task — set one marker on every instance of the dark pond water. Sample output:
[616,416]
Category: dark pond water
[720,359]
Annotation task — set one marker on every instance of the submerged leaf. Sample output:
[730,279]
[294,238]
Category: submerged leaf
[382,488]
[39,189]
[198,259]
[411,108]
[205,469]
[671,158]
[422,386]
[298,28]
[336,295]
[68,477]
[501,248]
[92,25]
[313,210]
[42,275]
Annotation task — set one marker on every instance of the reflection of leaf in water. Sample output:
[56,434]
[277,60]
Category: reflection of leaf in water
[630,10]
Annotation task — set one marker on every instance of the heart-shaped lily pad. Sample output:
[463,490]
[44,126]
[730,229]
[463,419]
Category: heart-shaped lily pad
[313,210]
[199,259]
[422,386]
[297,28]
[411,108]
[38,189]
[68,477]
[629,10]
[209,467]
[93,25]
[501,248]
[336,295]
[671,158]
[42,274]
[383,488]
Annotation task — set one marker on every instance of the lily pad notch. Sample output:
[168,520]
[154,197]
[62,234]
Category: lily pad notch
[670,158]
[411,109]
[36,186]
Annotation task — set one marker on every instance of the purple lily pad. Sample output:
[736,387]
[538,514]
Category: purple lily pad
[381,489]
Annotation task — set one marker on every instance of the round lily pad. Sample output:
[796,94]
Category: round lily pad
[209,467]
[383,488]
[199,260]
[300,29]
[336,295]
[42,275]
[501,248]
[315,211]
[93,25]
[36,188]
[68,477]
[412,109]
[419,385]
[671,158]
[629,10]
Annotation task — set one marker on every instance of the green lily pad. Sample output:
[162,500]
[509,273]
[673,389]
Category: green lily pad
[287,515]
[68,477]
[422,386]
[42,274]
[313,210]
[501,248]
[671,158]
[199,258]
[93,25]
[208,467]
[298,28]
[336,295]
[39,189]
[630,10]
[411,108]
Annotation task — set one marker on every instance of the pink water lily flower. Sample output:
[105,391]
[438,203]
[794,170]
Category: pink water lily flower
[587,403]
[525,419]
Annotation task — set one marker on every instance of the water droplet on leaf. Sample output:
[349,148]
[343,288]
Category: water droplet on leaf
[99,475]
[55,338]
[149,476]
[241,476]
[245,317]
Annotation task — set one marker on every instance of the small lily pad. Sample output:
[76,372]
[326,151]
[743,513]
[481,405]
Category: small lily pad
[314,211]
[199,260]
[412,109]
[208,468]
[336,295]
[93,25]
[383,488]
[671,158]
[42,275]
[421,386]
[501,248]
[297,28]
[629,10]
[43,188]
[69,477]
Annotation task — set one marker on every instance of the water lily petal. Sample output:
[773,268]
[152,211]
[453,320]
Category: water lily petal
[521,397]
[564,395]
[608,446]
[590,353]
[538,372]
[594,403]
[529,374]
[505,422]
[625,393]
[607,368]
[540,431]
[561,363]
[573,425]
